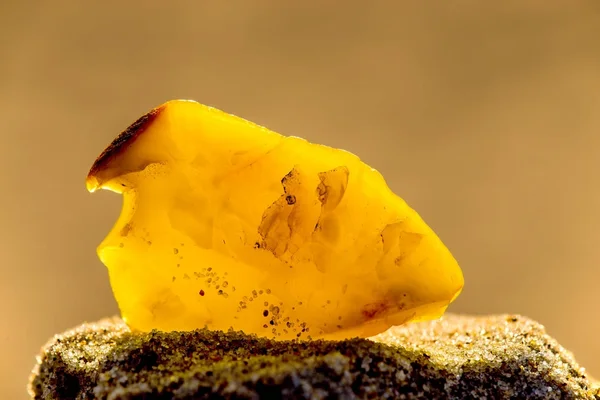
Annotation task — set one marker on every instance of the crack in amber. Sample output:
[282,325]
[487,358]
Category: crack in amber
[226,224]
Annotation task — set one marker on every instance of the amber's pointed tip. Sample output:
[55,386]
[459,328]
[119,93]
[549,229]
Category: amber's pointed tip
[91,183]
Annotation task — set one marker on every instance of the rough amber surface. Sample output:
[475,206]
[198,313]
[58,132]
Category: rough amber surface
[226,224]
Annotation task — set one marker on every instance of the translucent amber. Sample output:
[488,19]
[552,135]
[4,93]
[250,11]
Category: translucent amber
[226,224]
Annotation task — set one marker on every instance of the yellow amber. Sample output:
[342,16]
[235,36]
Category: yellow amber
[226,224]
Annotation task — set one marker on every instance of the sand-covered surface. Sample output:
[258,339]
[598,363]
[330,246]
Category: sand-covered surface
[458,357]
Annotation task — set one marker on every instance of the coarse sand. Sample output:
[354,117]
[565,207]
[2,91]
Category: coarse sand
[457,357]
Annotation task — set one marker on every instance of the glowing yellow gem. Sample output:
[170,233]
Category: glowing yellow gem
[227,224]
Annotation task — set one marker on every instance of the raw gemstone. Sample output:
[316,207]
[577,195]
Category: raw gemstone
[228,224]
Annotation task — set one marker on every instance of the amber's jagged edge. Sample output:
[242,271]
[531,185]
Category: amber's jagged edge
[126,138]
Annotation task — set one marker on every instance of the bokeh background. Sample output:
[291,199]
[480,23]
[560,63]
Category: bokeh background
[484,116]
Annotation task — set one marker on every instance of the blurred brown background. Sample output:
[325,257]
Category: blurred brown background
[485,116]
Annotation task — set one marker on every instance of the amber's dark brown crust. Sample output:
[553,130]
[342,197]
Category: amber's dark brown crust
[126,138]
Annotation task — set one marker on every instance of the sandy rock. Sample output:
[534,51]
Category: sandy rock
[494,357]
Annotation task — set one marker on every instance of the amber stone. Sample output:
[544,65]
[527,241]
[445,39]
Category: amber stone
[226,224]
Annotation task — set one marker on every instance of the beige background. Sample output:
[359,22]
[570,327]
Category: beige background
[485,116]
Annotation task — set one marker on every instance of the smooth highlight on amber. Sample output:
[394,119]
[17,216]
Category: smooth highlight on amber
[226,224]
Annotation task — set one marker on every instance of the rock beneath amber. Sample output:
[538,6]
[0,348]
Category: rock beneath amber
[457,357]
[227,224]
